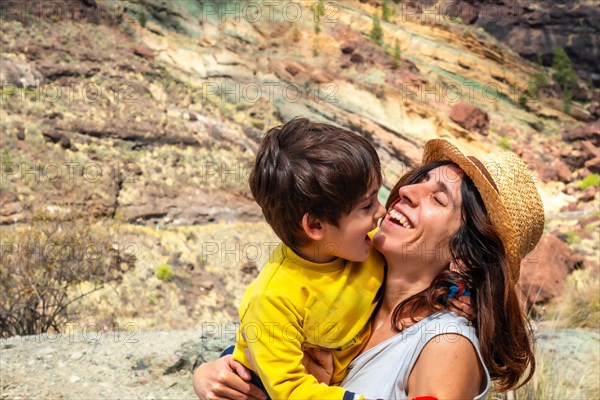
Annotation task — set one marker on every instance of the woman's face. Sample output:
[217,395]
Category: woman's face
[419,224]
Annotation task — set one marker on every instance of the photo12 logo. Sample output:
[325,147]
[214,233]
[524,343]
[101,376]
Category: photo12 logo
[93,332]
[268,11]
[251,92]
[117,92]
[57,11]
[90,172]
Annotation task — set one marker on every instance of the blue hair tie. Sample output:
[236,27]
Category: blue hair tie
[457,291]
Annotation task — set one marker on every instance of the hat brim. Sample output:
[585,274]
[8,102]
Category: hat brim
[442,150]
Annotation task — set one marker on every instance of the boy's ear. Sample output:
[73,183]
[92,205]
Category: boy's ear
[313,227]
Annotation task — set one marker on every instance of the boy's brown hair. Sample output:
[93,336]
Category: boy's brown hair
[309,167]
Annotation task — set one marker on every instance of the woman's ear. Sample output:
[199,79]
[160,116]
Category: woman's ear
[457,266]
[313,227]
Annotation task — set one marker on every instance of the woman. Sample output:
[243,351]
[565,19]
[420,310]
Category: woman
[481,216]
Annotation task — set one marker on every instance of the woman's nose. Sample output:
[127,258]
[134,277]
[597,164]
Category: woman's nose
[410,194]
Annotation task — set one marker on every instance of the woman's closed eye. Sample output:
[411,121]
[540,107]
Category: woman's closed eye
[440,198]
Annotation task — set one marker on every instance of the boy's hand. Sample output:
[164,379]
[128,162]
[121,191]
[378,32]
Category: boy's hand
[462,307]
[318,363]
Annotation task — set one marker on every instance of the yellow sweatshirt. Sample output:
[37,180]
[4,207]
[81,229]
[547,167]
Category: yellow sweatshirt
[294,304]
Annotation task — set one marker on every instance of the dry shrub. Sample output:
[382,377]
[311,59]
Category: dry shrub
[579,306]
[43,267]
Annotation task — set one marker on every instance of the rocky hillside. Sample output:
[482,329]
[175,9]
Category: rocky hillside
[145,116]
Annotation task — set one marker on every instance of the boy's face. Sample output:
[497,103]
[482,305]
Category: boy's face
[350,240]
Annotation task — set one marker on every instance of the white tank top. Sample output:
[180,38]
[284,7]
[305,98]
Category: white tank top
[383,371]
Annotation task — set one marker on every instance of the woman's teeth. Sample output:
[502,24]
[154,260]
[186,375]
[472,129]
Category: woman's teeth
[401,219]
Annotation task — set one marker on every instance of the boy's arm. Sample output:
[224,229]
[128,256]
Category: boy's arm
[272,328]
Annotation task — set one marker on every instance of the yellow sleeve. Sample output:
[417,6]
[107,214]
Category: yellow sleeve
[273,333]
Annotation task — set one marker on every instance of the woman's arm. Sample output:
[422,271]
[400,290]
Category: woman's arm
[225,378]
[447,368]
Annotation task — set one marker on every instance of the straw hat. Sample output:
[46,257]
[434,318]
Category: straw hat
[512,201]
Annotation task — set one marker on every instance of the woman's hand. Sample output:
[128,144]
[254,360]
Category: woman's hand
[225,378]
[318,363]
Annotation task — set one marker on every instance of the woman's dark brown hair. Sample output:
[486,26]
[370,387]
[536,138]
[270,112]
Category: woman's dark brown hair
[503,331]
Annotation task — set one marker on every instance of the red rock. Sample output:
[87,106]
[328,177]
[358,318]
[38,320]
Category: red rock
[143,51]
[593,165]
[357,58]
[470,117]
[575,159]
[589,132]
[518,150]
[543,271]
[563,173]
[589,149]
[292,69]
[583,173]
[569,207]
[347,48]
[547,173]
[588,194]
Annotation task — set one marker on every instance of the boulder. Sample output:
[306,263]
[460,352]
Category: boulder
[545,269]
[590,132]
[563,173]
[589,149]
[470,117]
[588,194]
[593,165]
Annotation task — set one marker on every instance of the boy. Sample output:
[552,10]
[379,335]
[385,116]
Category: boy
[317,185]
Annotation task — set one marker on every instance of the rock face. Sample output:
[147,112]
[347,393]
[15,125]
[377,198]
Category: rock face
[470,117]
[543,272]
[536,28]
[17,72]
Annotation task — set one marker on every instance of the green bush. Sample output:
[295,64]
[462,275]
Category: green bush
[523,99]
[565,76]
[590,180]
[385,11]
[164,272]
[142,18]
[572,237]
[539,81]
[504,143]
[376,31]
[397,54]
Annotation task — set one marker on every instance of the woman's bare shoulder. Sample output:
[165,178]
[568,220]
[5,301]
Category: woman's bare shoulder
[449,358]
